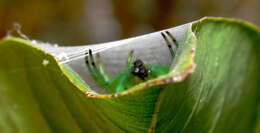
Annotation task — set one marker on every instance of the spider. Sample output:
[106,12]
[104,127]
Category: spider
[134,72]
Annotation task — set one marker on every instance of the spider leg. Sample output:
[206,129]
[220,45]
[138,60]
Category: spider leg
[173,39]
[130,59]
[169,43]
[95,71]
[122,81]
[101,68]
[88,62]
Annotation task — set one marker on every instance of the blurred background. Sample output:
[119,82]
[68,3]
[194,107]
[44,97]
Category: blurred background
[81,22]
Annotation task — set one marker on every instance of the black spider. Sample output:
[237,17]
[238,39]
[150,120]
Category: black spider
[138,69]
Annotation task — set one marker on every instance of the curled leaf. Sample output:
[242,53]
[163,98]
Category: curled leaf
[213,84]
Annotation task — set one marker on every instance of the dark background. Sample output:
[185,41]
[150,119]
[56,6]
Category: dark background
[78,22]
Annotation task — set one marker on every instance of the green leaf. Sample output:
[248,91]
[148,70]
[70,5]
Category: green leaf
[212,86]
